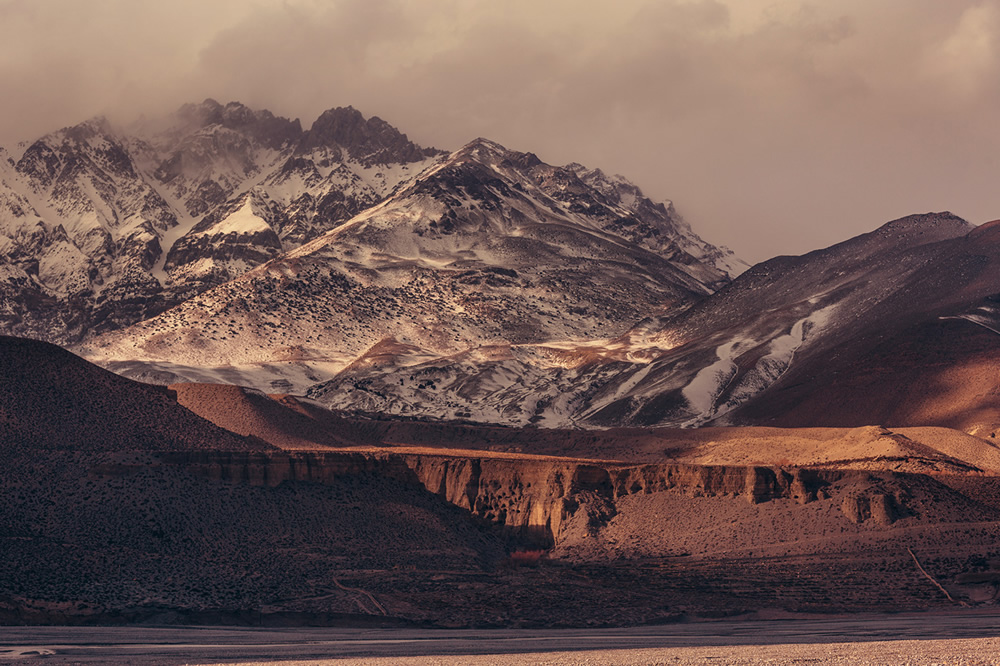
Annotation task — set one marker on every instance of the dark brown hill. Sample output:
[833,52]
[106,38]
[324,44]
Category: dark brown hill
[897,327]
[940,372]
[923,350]
[51,399]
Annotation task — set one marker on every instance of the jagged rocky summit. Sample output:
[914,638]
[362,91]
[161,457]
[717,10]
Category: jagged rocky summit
[102,227]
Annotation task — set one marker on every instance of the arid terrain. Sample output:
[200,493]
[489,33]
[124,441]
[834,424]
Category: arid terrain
[305,516]
[654,331]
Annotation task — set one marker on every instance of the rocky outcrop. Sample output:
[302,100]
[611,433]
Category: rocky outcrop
[371,141]
[530,498]
[879,508]
[272,131]
[537,498]
[756,484]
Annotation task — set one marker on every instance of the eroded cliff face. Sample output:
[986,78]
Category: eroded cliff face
[536,500]
[531,498]
[540,499]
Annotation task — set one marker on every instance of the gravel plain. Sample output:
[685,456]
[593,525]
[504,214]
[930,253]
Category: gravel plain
[963,652]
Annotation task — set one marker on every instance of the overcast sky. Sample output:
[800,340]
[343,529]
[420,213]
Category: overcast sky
[775,126]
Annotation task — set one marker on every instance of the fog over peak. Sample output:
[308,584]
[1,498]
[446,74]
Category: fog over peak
[777,126]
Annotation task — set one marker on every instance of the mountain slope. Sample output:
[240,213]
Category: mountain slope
[102,227]
[940,372]
[827,315]
[485,252]
[895,327]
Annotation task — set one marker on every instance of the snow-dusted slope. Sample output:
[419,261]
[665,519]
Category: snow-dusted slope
[485,257]
[342,259]
[754,351]
[298,184]
[648,228]
[790,317]
[85,232]
[101,227]
[23,233]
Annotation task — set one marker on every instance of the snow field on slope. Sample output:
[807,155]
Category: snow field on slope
[242,221]
[706,387]
[703,392]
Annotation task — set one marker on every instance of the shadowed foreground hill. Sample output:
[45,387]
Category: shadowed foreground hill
[51,399]
[102,519]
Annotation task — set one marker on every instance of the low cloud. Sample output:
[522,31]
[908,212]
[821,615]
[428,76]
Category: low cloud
[776,126]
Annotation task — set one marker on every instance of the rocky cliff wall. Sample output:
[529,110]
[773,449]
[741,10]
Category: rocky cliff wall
[535,499]
[538,498]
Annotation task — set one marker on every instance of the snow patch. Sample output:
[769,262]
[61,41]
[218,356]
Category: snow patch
[243,221]
[776,362]
[985,316]
[703,392]
[64,269]
[706,387]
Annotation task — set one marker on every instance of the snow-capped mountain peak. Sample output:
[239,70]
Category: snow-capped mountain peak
[113,225]
[482,249]
[229,244]
[346,135]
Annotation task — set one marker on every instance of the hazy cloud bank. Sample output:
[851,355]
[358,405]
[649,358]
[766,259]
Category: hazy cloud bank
[777,127]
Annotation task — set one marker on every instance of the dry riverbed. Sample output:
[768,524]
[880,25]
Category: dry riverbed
[961,637]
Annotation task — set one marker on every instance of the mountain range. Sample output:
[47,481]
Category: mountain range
[346,264]
[231,244]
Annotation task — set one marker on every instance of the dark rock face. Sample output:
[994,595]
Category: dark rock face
[371,141]
[270,130]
